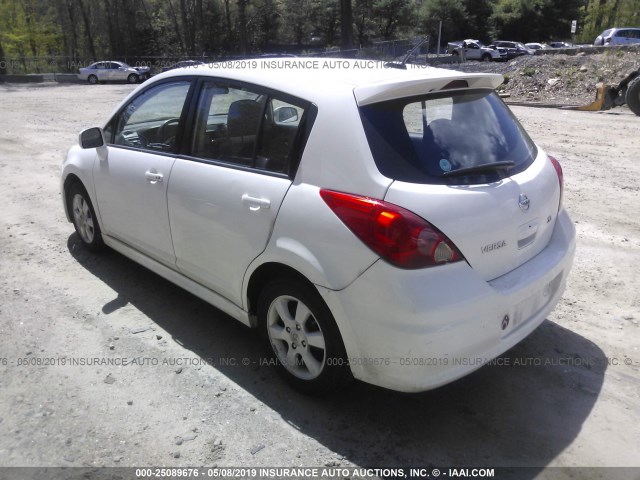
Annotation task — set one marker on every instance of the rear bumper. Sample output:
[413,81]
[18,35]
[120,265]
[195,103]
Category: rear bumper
[414,330]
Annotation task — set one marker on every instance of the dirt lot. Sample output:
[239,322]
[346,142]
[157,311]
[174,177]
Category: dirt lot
[570,395]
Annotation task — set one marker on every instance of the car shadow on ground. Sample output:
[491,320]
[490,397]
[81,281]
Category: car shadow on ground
[521,412]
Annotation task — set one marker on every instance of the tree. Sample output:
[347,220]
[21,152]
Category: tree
[265,22]
[390,15]
[603,14]
[242,25]
[88,29]
[534,20]
[479,13]
[453,15]
[297,16]
[3,63]
[346,25]
[326,20]
[364,21]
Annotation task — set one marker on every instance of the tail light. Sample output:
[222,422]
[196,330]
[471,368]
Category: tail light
[399,236]
[558,167]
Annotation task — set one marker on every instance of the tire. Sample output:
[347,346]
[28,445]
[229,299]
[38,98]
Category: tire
[133,78]
[486,57]
[633,96]
[301,337]
[93,80]
[84,218]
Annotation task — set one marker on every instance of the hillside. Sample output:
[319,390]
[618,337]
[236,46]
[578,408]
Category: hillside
[558,79]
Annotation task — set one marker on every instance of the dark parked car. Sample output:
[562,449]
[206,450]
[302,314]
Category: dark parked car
[559,45]
[514,49]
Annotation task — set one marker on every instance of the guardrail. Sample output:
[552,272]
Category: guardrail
[588,49]
[41,78]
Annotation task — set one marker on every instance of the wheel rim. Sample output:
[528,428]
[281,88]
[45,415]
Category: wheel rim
[93,79]
[296,337]
[83,218]
[133,78]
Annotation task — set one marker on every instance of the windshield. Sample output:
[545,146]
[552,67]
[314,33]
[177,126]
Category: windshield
[426,139]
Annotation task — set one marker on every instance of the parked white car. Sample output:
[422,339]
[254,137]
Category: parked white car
[113,72]
[618,36]
[396,226]
[475,50]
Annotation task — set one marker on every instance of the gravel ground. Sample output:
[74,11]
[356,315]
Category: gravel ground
[566,396]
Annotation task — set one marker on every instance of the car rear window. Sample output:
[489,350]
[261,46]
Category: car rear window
[437,138]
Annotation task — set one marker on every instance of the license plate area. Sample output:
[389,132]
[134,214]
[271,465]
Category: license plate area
[526,309]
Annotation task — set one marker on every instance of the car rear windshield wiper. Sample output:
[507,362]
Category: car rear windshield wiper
[486,167]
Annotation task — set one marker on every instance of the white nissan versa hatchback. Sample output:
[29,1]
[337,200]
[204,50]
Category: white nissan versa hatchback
[385,224]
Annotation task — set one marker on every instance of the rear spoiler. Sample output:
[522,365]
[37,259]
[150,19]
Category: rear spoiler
[385,90]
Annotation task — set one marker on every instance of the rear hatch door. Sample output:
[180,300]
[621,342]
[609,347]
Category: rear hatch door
[462,162]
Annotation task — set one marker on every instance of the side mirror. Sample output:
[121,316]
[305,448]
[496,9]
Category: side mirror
[285,115]
[91,138]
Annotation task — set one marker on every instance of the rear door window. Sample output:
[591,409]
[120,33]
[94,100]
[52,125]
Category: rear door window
[468,137]
[248,128]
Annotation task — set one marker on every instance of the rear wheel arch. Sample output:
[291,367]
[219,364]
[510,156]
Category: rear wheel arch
[265,274]
[320,366]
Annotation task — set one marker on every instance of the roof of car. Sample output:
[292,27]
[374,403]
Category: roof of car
[311,78]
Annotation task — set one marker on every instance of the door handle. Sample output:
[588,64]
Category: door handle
[153,177]
[255,203]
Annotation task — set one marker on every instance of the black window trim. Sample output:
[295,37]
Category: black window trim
[183,116]
[455,181]
[300,141]
[185,133]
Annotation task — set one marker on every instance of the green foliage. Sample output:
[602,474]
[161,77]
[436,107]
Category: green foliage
[382,19]
[84,30]
[534,20]
[28,29]
[454,17]
[604,14]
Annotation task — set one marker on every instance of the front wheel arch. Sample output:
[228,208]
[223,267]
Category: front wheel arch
[74,187]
